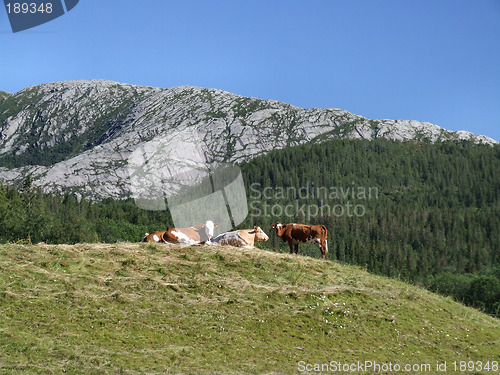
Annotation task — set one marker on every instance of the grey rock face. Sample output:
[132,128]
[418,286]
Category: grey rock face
[76,136]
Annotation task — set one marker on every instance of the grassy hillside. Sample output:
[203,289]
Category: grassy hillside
[142,308]
[433,219]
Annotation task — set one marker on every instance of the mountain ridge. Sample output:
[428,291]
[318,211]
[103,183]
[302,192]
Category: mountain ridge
[77,135]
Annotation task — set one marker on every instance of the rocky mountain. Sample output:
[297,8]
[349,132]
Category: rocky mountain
[84,136]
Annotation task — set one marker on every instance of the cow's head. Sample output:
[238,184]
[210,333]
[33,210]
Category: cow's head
[280,229]
[209,228]
[260,235]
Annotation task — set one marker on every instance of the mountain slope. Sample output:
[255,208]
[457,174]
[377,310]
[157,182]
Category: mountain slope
[77,135]
[137,308]
[4,95]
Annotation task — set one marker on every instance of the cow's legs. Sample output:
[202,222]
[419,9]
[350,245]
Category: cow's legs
[290,245]
[296,248]
[323,253]
[323,247]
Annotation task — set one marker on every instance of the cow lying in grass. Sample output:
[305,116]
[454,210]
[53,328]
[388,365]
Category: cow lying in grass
[189,236]
[241,238]
[294,234]
[153,237]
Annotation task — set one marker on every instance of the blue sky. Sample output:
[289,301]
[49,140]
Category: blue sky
[427,60]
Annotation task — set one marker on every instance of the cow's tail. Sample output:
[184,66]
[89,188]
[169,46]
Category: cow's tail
[326,239]
[163,237]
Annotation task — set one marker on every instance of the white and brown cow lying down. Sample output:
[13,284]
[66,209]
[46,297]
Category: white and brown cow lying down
[202,233]
[153,237]
[241,238]
[294,234]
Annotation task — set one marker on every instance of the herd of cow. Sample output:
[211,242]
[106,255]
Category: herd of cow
[293,234]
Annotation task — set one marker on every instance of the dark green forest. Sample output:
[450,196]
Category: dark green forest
[435,220]
[424,213]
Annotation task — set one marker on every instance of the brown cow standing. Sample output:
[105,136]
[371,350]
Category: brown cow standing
[294,234]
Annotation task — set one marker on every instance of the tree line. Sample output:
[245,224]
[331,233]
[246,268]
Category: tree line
[27,215]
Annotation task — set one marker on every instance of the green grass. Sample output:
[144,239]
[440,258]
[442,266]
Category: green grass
[152,308]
